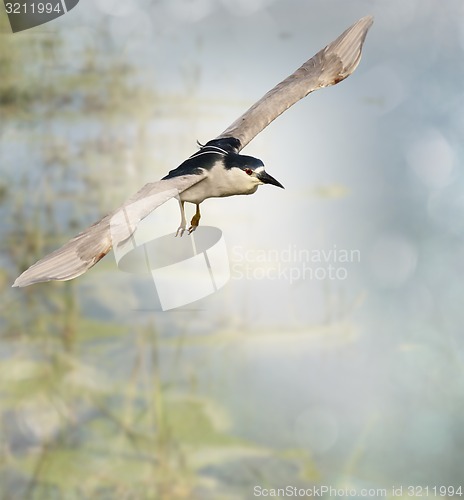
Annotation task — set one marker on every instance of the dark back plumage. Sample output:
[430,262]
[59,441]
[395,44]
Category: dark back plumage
[208,154]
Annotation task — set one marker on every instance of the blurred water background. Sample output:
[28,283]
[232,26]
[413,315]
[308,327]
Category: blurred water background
[354,382]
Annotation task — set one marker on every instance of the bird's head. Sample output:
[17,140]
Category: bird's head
[249,171]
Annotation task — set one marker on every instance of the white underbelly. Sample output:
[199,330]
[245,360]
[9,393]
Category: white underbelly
[218,183]
[206,189]
[199,192]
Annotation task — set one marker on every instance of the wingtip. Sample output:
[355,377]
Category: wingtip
[22,281]
[347,49]
[367,19]
[360,27]
[365,23]
[18,282]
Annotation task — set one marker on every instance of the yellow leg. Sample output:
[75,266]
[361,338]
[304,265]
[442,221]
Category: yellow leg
[195,220]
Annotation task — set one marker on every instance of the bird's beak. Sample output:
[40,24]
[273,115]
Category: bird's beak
[265,178]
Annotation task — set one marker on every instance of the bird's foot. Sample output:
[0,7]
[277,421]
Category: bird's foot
[194,222]
[181,231]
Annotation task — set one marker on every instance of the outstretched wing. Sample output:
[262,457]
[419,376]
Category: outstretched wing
[84,250]
[328,67]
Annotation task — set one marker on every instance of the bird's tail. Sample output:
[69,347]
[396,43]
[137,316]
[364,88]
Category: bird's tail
[73,259]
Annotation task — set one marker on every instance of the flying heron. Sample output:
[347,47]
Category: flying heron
[217,169]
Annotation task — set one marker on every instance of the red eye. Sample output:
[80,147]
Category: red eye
[248,171]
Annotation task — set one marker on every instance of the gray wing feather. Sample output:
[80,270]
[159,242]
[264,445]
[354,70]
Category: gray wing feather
[328,67]
[84,250]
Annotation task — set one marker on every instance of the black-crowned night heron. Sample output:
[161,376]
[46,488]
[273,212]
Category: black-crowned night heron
[215,170]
